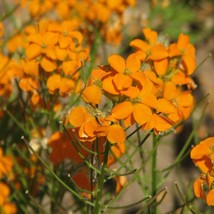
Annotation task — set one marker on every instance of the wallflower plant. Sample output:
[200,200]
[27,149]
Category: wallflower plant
[78,130]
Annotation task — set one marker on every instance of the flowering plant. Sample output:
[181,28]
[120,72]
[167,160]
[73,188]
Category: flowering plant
[81,125]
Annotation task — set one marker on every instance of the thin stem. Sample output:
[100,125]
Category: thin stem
[154,170]
[139,170]
[90,209]
[93,55]
[101,180]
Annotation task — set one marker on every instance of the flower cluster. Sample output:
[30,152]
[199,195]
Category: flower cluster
[53,57]
[6,164]
[203,157]
[147,88]
[107,15]
[152,87]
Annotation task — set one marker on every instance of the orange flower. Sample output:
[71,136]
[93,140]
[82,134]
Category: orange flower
[32,86]
[152,50]
[82,180]
[188,54]
[84,122]
[63,149]
[159,123]
[89,128]
[203,157]
[6,164]
[38,7]
[131,112]
[42,47]
[203,188]
[203,154]
[121,79]
[5,205]
[92,94]
[117,150]
[175,102]
[9,70]
[144,47]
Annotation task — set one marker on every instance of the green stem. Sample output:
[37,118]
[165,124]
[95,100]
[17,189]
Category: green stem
[9,12]
[135,174]
[154,170]
[101,180]
[93,55]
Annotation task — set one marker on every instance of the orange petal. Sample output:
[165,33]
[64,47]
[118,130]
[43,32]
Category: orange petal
[116,134]
[76,36]
[92,94]
[210,198]
[140,77]
[77,116]
[50,52]
[185,99]
[152,76]
[90,127]
[149,99]
[50,38]
[64,41]
[170,90]
[61,54]
[141,45]
[82,180]
[205,164]
[35,38]
[165,106]
[129,121]
[133,63]
[53,83]
[69,67]
[31,68]
[150,124]
[198,190]
[122,110]
[142,113]
[173,50]
[161,66]
[183,41]
[142,55]
[159,124]
[131,92]
[63,149]
[150,35]
[33,51]
[122,81]
[158,52]
[5,191]
[162,123]
[116,151]
[202,149]
[48,64]
[117,63]
[98,74]
[35,98]
[189,64]
[66,86]
[9,208]
[108,86]
[176,116]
